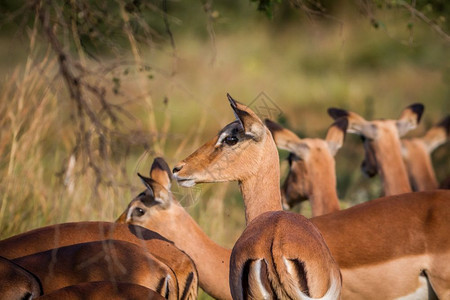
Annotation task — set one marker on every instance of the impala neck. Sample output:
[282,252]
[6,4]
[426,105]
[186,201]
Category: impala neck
[212,261]
[391,167]
[261,190]
[419,166]
[323,196]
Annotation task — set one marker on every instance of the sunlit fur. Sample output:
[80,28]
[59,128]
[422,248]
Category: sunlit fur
[60,235]
[271,234]
[99,261]
[417,155]
[162,213]
[312,173]
[101,290]
[383,137]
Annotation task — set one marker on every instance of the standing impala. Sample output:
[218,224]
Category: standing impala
[60,235]
[383,136]
[312,173]
[372,242]
[280,254]
[417,156]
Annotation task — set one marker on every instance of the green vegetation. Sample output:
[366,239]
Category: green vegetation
[169,100]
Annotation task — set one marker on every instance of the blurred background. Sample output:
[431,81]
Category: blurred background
[90,93]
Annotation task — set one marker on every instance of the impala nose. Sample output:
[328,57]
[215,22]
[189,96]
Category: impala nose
[177,168]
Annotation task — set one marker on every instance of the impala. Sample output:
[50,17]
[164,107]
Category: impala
[372,242]
[101,290]
[17,282]
[280,254]
[157,209]
[312,172]
[383,136]
[107,260]
[50,237]
[417,156]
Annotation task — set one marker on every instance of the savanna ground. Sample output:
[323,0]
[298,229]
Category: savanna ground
[178,101]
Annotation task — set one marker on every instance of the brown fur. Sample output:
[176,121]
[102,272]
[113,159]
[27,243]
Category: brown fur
[101,290]
[17,283]
[383,137]
[417,155]
[354,243]
[167,217]
[411,226]
[107,260]
[252,160]
[60,235]
[311,167]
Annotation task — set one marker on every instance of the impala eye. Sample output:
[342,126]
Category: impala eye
[231,140]
[138,212]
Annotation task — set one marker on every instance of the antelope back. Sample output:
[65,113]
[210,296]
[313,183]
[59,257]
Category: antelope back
[17,283]
[107,260]
[50,237]
[101,290]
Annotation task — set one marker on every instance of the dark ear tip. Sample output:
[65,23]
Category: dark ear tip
[273,126]
[342,124]
[418,108]
[161,164]
[232,101]
[336,113]
[445,123]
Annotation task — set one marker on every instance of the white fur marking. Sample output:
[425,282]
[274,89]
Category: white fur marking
[256,270]
[332,293]
[420,293]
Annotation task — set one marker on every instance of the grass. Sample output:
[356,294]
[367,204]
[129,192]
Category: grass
[303,69]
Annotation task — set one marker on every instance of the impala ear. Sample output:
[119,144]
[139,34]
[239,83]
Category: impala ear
[437,135]
[160,172]
[336,135]
[149,183]
[409,118]
[284,138]
[122,219]
[160,195]
[287,140]
[249,121]
[356,123]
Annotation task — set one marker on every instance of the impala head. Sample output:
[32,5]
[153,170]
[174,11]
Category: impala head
[379,131]
[235,153]
[155,202]
[311,161]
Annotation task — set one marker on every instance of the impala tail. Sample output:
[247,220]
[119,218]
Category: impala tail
[290,282]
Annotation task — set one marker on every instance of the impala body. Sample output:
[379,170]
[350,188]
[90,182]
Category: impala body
[107,260]
[416,154]
[101,290]
[17,282]
[50,237]
[279,254]
[312,173]
[383,138]
[157,209]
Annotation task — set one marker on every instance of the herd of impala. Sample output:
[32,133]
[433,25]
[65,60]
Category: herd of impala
[394,247]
